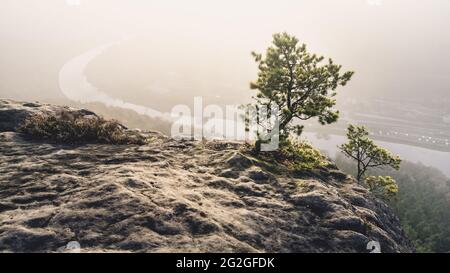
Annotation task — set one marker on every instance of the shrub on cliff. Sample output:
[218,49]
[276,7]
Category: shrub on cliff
[294,154]
[382,186]
[76,127]
[300,154]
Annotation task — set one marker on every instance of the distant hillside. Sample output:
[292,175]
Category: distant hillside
[422,204]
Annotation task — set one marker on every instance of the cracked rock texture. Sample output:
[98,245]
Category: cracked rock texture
[176,196]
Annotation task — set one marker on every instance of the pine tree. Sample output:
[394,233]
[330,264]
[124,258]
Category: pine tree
[369,155]
[298,82]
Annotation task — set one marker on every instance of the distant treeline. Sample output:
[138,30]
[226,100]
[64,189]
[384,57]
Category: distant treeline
[422,203]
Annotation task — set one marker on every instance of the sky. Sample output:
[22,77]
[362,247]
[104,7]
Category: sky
[173,50]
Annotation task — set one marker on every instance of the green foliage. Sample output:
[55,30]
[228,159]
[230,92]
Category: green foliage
[382,186]
[74,127]
[298,82]
[365,152]
[300,155]
[422,203]
[294,155]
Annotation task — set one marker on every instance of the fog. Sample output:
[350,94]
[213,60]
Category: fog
[136,61]
[174,50]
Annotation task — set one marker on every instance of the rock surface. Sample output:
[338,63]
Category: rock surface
[176,196]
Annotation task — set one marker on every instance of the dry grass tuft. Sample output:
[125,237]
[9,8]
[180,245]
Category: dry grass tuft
[78,127]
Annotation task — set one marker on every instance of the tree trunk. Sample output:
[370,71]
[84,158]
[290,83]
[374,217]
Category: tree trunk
[285,122]
[359,176]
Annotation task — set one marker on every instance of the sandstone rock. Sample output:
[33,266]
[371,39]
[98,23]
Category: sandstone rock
[170,196]
[259,175]
[239,161]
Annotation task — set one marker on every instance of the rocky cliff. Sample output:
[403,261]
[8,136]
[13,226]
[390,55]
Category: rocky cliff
[175,196]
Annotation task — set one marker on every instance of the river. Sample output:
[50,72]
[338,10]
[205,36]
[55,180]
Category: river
[439,160]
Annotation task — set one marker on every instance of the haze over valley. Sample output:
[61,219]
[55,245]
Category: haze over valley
[136,61]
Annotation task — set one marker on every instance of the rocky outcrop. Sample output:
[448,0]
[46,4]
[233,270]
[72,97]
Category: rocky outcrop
[176,196]
[13,113]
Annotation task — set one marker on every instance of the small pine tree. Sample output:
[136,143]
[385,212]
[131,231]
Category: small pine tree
[369,155]
[298,83]
[365,152]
